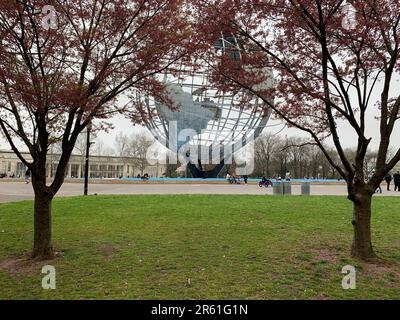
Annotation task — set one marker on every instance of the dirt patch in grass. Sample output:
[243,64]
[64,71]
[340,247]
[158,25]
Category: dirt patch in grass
[325,254]
[381,270]
[107,250]
[24,265]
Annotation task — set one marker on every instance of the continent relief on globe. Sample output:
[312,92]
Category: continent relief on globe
[194,115]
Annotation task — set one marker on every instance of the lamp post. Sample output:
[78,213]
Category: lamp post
[88,144]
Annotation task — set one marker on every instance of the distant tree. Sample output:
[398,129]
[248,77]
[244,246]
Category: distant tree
[138,150]
[369,162]
[265,148]
[171,170]
[122,144]
[282,158]
[102,149]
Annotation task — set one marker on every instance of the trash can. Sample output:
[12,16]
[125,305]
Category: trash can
[287,188]
[305,189]
[278,189]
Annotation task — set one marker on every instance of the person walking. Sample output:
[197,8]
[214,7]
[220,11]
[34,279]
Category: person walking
[396,179]
[388,179]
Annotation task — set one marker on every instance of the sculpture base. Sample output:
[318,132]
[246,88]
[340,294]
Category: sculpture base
[199,173]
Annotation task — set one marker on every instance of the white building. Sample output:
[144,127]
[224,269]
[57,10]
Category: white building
[100,166]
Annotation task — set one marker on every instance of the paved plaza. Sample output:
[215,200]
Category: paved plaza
[17,191]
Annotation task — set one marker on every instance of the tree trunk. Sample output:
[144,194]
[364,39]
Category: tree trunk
[42,247]
[362,243]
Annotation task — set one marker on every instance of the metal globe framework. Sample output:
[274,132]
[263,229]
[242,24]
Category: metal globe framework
[216,119]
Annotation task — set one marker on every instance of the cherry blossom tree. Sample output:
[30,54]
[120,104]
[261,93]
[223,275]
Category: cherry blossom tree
[336,63]
[65,65]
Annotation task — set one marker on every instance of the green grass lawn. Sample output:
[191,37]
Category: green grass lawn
[200,247]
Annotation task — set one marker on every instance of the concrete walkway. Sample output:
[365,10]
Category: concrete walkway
[18,191]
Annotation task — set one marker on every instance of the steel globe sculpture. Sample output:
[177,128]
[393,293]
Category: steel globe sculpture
[209,126]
